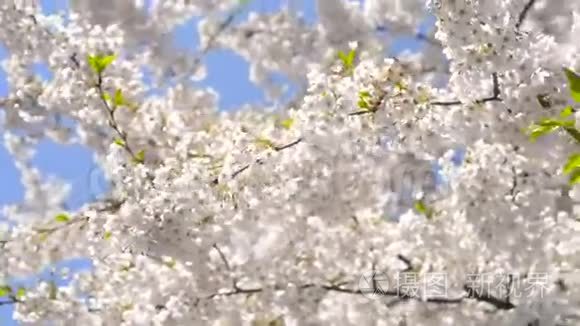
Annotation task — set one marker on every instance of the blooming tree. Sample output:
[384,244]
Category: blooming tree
[324,211]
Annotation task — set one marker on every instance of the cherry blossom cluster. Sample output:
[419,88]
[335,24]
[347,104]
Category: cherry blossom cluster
[277,215]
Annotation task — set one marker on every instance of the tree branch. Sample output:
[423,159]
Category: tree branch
[524,13]
[13,300]
[247,166]
[494,97]
[406,261]
[485,297]
[470,294]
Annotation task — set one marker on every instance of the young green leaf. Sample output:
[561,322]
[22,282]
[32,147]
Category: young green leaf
[548,122]
[572,163]
[119,142]
[400,86]
[574,133]
[139,157]
[5,290]
[264,143]
[548,125]
[566,112]
[364,94]
[347,60]
[573,84]
[118,99]
[537,131]
[350,57]
[423,209]
[363,100]
[62,218]
[575,177]
[287,123]
[107,235]
[43,235]
[99,63]
[363,104]
[106,97]
[20,293]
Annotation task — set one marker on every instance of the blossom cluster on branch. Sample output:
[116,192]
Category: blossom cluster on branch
[277,215]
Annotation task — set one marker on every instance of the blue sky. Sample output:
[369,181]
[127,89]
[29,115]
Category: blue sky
[227,73]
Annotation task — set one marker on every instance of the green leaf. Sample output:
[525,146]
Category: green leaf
[574,133]
[567,111]
[423,209]
[20,293]
[43,235]
[287,123]
[548,122]
[420,207]
[118,99]
[363,100]
[62,218]
[264,143]
[119,142]
[537,131]
[363,104]
[364,94]
[5,290]
[549,125]
[572,163]
[106,97]
[351,56]
[139,157]
[400,86]
[347,60]
[107,60]
[107,235]
[575,177]
[573,84]
[99,63]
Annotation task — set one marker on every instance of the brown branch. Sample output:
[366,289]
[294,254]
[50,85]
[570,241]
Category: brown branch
[407,262]
[13,300]
[283,147]
[215,181]
[222,257]
[494,97]
[5,303]
[423,37]
[111,116]
[485,297]
[470,294]
[524,13]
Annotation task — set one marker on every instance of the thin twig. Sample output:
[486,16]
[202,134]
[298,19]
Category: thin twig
[524,13]
[215,181]
[9,302]
[488,298]
[494,97]
[407,262]
[283,147]
[111,117]
[222,256]
[470,294]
